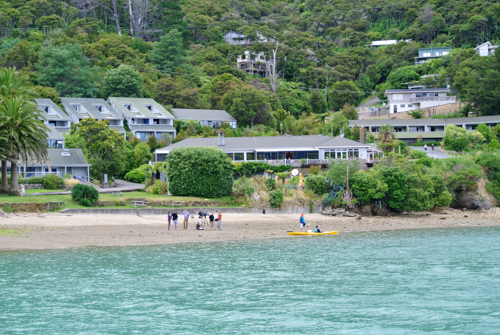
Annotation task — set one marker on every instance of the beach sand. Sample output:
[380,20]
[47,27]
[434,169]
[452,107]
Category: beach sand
[53,230]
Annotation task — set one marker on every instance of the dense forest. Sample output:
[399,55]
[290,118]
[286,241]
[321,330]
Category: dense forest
[174,51]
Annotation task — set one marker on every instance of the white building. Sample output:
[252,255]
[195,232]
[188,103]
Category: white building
[486,49]
[253,63]
[206,117]
[407,100]
[54,116]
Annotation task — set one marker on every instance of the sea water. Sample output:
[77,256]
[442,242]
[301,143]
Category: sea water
[444,281]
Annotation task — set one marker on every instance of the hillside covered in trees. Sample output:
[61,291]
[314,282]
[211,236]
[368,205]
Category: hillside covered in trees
[174,51]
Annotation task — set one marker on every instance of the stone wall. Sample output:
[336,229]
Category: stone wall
[33,186]
[23,207]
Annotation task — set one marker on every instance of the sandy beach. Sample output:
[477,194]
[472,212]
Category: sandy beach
[53,231]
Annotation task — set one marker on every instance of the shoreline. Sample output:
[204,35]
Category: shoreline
[61,231]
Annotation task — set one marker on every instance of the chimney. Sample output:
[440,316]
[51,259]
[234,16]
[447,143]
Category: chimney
[362,135]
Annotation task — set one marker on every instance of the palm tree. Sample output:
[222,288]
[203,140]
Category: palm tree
[386,137]
[24,132]
[11,85]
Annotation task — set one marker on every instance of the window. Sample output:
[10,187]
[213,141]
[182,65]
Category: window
[76,107]
[403,105]
[438,54]
[127,106]
[442,94]
[159,136]
[148,107]
[426,54]
[239,156]
[250,156]
[445,53]
[410,105]
[397,96]
[230,155]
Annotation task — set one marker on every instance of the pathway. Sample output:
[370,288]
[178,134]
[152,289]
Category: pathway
[121,186]
[437,153]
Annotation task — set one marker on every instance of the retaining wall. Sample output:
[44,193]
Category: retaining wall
[164,211]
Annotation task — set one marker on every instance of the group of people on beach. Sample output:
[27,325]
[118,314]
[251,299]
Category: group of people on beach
[202,224]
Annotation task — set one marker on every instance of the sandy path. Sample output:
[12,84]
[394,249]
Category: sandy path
[50,231]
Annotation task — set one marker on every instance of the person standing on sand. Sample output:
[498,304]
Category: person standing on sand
[220,220]
[302,222]
[174,219]
[425,148]
[186,218]
[211,218]
[169,217]
[432,147]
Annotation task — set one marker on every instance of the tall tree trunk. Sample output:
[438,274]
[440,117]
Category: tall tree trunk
[14,185]
[5,183]
[117,19]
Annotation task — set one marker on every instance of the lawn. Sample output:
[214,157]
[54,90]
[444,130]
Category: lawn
[127,196]
[43,190]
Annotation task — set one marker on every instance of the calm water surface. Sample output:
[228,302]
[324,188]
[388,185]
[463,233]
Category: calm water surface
[400,282]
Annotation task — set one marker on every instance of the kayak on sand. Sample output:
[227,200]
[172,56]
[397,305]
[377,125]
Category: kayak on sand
[312,233]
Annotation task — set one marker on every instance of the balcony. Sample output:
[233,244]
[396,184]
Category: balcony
[447,98]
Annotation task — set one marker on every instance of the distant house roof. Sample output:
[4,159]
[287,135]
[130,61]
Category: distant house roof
[57,113]
[88,107]
[202,114]
[423,90]
[269,143]
[53,134]
[233,34]
[428,122]
[488,44]
[152,127]
[67,157]
[140,109]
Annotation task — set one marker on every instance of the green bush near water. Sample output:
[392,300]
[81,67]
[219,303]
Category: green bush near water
[200,171]
[53,182]
[276,198]
[84,195]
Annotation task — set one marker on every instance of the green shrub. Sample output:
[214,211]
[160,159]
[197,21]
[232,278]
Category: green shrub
[457,144]
[200,171]
[250,191]
[425,161]
[84,195]
[159,187]
[415,154]
[315,169]
[53,182]
[317,184]
[444,199]
[252,168]
[135,176]
[276,198]
[270,184]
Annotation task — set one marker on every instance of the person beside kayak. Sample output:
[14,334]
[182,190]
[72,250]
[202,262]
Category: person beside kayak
[316,230]
[302,222]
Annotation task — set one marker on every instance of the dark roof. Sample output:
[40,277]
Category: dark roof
[424,90]
[428,122]
[202,114]
[281,143]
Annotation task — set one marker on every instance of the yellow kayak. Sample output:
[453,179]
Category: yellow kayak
[312,233]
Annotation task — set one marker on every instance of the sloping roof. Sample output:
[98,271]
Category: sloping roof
[53,134]
[121,130]
[202,114]
[91,111]
[428,122]
[140,105]
[47,102]
[433,134]
[152,127]
[488,43]
[75,157]
[278,143]
[422,90]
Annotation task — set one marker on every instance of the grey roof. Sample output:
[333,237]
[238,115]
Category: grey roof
[277,143]
[140,105]
[53,134]
[152,127]
[75,158]
[423,90]
[428,122]
[121,130]
[202,114]
[47,102]
[88,108]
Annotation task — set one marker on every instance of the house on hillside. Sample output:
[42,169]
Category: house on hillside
[253,63]
[54,116]
[404,100]
[486,49]
[235,38]
[408,130]
[206,117]
[82,108]
[431,53]
[278,150]
[145,117]
[376,44]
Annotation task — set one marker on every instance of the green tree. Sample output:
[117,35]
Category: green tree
[67,70]
[123,81]
[200,171]
[369,186]
[169,54]
[24,134]
[142,154]
[317,102]
[248,105]
[101,145]
[349,112]
[343,92]
[400,77]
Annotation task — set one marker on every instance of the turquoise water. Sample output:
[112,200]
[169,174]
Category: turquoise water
[399,282]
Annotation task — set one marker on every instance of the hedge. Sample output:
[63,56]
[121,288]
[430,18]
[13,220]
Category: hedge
[135,176]
[251,168]
[200,171]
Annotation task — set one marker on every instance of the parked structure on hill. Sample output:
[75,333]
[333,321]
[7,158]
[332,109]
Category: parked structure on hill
[54,116]
[206,117]
[278,150]
[414,99]
[145,117]
[486,49]
[82,108]
[408,130]
[235,38]
[431,53]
